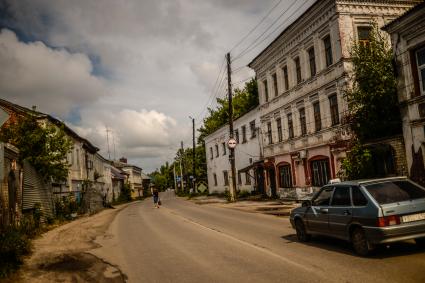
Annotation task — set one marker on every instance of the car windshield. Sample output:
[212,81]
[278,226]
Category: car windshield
[395,191]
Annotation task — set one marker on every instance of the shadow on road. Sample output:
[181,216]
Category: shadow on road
[398,249]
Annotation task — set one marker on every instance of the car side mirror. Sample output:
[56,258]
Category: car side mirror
[306,203]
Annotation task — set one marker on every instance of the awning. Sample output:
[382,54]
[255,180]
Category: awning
[253,165]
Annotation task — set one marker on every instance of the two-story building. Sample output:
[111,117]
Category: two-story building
[408,40]
[247,153]
[301,77]
[134,176]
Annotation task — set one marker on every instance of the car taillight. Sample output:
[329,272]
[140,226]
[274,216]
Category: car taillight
[388,220]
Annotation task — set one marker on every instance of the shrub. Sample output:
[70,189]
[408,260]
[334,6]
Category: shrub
[14,245]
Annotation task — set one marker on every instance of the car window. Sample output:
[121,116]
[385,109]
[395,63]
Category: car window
[358,197]
[324,197]
[341,197]
[395,191]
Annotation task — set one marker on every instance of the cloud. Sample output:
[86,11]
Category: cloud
[53,79]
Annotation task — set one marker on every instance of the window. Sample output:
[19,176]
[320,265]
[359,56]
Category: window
[341,197]
[226,178]
[358,198]
[243,134]
[324,197]
[303,122]
[253,130]
[312,60]
[285,77]
[298,69]
[420,62]
[211,153]
[363,34]
[290,126]
[239,178]
[285,176]
[215,179]
[237,135]
[247,179]
[333,102]
[395,191]
[266,91]
[317,118]
[320,172]
[279,129]
[276,92]
[216,150]
[78,157]
[223,145]
[328,50]
[269,132]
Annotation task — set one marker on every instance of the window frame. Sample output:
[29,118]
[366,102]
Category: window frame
[285,183]
[419,68]
[247,179]
[236,135]
[334,109]
[215,179]
[211,153]
[350,202]
[285,77]
[325,188]
[279,129]
[327,43]
[226,177]
[312,61]
[269,132]
[275,86]
[317,116]
[298,73]
[223,145]
[252,128]
[303,121]
[290,126]
[266,90]
[363,41]
[244,140]
[217,152]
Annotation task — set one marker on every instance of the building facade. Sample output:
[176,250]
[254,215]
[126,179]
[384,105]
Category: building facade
[301,77]
[247,153]
[134,176]
[408,41]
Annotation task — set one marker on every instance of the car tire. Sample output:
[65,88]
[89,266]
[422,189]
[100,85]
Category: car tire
[420,242]
[360,243]
[302,234]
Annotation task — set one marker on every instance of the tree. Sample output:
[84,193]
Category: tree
[372,102]
[44,146]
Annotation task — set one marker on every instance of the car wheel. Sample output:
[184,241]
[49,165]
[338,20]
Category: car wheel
[360,243]
[420,242]
[301,232]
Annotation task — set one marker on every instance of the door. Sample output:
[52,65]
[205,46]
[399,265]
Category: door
[272,177]
[259,174]
[317,215]
[340,212]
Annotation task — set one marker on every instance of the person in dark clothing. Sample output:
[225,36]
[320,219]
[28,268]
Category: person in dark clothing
[155,195]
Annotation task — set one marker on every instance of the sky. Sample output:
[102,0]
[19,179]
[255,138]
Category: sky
[131,72]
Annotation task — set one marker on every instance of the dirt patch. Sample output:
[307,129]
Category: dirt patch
[63,254]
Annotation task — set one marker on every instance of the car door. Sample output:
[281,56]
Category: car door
[317,213]
[340,211]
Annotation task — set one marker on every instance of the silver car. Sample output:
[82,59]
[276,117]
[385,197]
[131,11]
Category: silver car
[365,213]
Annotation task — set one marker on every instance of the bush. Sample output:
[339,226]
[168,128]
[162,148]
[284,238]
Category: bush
[14,245]
[65,207]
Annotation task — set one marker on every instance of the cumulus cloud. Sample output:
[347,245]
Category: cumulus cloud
[53,79]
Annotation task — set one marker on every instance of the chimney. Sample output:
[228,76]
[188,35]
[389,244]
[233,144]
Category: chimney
[34,108]
[123,160]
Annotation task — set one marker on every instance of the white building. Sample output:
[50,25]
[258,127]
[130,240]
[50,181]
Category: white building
[301,78]
[408,39]
[134,176]
[247,152]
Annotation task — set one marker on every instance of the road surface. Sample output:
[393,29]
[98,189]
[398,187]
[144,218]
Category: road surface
[186,242]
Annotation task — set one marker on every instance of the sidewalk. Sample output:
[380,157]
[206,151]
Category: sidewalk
[269,207]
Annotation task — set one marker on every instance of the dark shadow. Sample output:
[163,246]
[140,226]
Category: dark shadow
[398,249]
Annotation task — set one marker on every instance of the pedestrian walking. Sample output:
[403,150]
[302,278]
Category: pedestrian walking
[156,200]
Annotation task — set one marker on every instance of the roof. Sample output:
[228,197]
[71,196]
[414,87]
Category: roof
[39,115]
[120,165]
[404,16]
[145,177]
[370,181]
[117,173]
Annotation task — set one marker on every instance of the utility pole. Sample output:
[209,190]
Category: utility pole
[107,141]
[181,172]
[113,141]
[174,176]
[193,155]
[232,150]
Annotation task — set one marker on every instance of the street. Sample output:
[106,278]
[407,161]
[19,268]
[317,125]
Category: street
[186,242]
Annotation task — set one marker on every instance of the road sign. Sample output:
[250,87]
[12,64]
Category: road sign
[4,116]
[231,143]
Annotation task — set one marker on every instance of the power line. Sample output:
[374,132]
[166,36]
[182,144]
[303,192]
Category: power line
[255,27]
[257,41]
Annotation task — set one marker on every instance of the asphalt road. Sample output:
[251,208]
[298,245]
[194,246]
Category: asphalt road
[185,242]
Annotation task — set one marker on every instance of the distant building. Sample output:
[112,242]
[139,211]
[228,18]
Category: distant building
[301,77]
[408,40]
[247,153]
[134,176]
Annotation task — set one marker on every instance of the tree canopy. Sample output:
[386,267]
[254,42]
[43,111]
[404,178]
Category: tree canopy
[43,146]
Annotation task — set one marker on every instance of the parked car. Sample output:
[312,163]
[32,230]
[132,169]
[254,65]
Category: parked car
[365,213]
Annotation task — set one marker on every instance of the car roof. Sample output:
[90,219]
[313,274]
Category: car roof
[367,181]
